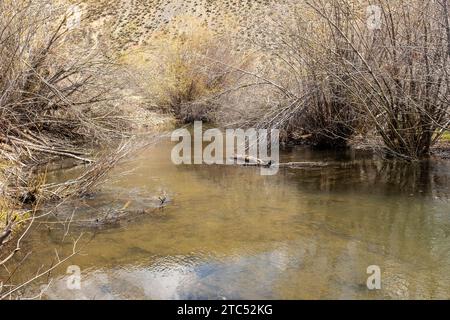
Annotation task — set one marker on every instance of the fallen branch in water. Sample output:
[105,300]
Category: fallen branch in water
[97,172]
[50,150]
[92,177]
[302,165]
[249,161]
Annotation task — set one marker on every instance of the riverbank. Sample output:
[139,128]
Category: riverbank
[441,149]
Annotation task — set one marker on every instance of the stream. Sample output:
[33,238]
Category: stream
[226,232]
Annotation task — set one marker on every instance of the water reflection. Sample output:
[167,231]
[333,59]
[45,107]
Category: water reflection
[230,233]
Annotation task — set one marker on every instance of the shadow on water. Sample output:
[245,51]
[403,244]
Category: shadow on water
[229,232]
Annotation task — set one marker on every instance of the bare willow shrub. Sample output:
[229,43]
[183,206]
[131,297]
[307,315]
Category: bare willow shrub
[398,75]
[51,85]
[299,46]
[184,67]
[357,67]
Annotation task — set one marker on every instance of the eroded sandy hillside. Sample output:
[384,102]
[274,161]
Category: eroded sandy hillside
[132,22]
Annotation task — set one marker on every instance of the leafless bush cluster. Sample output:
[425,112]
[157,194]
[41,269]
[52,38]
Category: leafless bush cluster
[54,92]
[51,85]
[399,74]
[358,67]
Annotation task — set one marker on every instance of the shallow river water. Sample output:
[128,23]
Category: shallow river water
[229,233]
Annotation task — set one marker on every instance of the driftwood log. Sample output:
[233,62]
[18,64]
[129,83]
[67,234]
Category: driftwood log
[249,161]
